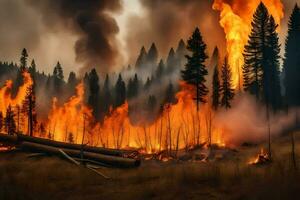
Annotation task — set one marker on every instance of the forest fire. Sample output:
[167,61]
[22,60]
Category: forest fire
[236,22]
[179,126]
[6,93]
[262,158]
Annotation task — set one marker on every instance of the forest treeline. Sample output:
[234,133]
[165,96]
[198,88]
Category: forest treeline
[153,81]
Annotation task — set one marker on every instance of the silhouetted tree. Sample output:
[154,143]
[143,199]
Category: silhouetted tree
[29,110]
[9,121]
[94,97]
[58,78]
[147,84]
[23,59]
[32,68]
[227,91]
[120,92]
[107,98]
[72,82]
[133,87]
[21,70]
[170,94]
[172,62]
[271,72]
[255,52]
[292,60]
[195,70]
[152,55]
[160,70]
[142,59]
[216,89]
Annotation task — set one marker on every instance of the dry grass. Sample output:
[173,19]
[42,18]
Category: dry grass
[53,178]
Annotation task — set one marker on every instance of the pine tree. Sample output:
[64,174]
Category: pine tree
[160,70]
[107,98]
[152,55]
[58,71]
[181,51]
[227,91]
[32,68]
[216,89]
[292,60]
[136,85]
[9,121]
[195,70]
[171,61]
[23,59]
[261,69]
[29,109]
[147,84]
[142,59]
[271,72]
[72,81]
[21,70]
[58,78]
[120,92]
[170,94]
[94,97]
[255,52]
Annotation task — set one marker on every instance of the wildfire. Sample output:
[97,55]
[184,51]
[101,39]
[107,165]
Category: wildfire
[68,120]
[179,125]
[6,95]
[261,158]
[235,18]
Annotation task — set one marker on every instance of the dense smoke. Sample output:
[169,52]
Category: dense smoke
[91,21]
[167,21]
[247,121]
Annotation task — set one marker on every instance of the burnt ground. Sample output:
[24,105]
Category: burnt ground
[227,178]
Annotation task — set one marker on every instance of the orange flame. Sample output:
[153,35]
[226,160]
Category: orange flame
[235,18]
[69,118]
[6,95]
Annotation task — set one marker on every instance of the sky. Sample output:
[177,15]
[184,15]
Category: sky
[52,31]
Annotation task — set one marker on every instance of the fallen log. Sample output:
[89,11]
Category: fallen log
[8,139]
[106,159]
[19,138]
[105,151]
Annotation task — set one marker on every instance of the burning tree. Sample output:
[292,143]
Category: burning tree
[9,121]
[29,109]
[195,70]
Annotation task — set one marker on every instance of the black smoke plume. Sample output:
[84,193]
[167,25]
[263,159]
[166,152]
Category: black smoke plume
[93,24]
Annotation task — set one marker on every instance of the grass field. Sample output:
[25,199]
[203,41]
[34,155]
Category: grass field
[231,178]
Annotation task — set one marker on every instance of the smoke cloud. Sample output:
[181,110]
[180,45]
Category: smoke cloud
[167,21]
[93,24]
[246,121]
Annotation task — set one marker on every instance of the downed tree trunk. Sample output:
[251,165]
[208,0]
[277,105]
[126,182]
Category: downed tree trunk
[106,151]
[8,139]
[15,139]
[106,159]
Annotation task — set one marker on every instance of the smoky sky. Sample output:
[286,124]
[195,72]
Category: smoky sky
[83,33]
[89,20]
[167,21]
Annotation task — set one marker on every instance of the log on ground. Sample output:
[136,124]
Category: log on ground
[106,159]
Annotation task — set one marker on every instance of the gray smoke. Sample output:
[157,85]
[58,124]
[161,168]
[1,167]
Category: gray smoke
[89,20]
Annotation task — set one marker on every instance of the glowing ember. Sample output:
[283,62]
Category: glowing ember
[261,158]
